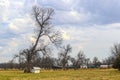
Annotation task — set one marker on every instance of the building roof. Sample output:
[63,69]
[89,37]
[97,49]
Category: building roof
[37,68]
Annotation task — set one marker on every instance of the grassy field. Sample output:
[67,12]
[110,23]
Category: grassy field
[84,74]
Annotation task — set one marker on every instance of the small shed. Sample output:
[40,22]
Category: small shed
[83,66]
[36,70]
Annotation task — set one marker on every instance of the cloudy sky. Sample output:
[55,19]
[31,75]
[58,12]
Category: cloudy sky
[89,25]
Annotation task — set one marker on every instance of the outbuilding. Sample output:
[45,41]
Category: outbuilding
[36,70]
[104,66]
[83,66]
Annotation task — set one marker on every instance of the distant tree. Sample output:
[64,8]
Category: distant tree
[115,50]
[87,61]
[47,62]
[96,62]
[64,55]
[74,61]
[109,60]
[79,60]
[44,32]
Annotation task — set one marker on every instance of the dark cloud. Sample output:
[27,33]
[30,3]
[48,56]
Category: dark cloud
[102,11]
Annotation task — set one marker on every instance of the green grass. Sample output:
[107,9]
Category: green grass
[84,74]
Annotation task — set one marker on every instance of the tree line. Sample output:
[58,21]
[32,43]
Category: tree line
[63,61]
[66,61]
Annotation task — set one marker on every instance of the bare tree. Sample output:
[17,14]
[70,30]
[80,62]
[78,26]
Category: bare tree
[96,62]
[115,50]
[47,62]
[87,61]
[64,55]
[74,61]
[109,60]
[44,32]
[80,58]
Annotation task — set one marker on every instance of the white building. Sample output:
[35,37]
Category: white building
[83,66]
[104,66]
[36,70]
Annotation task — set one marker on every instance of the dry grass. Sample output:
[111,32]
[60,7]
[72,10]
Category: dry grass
[84,74]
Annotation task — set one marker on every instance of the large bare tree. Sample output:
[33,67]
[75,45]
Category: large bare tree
[45,35]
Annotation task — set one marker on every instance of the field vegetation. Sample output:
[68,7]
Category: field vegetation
[81,74]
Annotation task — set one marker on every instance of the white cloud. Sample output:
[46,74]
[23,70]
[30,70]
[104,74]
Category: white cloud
[32,39]
[71,17]
[65,36]
[4,3]
[14,45]
[21,25]
[67,1]
[115,26]
[0,47]
[94,40]
[13,27]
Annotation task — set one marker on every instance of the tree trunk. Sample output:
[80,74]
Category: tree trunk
[28,63]
[28,68]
